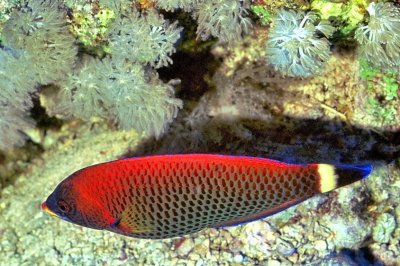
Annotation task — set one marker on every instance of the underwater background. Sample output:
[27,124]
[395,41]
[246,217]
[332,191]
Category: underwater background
[84,82]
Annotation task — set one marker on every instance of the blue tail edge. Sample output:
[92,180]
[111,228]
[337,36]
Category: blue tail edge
[348,174]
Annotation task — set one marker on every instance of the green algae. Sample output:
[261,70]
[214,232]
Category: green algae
[91,27]
[262,13]
[347,14]
[382,90]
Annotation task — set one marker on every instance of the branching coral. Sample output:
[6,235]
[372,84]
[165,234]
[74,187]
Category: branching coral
[40,29]
[295,46]
[124,92]
[224,19]
[144,38]
[380,39]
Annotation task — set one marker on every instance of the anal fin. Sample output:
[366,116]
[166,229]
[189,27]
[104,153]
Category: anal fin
[260,215]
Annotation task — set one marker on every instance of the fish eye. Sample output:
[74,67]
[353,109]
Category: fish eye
[63,206]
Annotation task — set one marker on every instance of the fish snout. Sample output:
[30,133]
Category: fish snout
[45,208]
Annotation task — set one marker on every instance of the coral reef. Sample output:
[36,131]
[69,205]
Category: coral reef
[12,121]
[129,93]
[385,226]
[382,99]
[41,48]
[115,64]
[224,19]
[91,28]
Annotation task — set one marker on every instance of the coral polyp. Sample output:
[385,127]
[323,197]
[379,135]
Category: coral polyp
[40,28]
[380,39]
[126,93]
[148,33]
[224,19]
[298,44]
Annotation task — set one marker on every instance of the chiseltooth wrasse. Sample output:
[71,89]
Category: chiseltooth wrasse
[173,195]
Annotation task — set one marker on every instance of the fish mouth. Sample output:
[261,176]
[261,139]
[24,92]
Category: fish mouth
[44,207]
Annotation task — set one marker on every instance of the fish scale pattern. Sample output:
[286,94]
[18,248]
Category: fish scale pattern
[171,197]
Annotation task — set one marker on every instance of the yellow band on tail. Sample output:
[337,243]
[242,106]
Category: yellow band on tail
[328,177]
[334,176]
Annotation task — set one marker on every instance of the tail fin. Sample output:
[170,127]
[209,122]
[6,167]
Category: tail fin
[334,176]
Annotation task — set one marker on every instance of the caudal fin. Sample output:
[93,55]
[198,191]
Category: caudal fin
[334,176]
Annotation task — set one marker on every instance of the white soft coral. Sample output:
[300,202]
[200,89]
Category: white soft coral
[380,39]
[295,46]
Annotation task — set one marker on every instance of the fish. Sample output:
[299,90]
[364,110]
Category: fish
[166,196]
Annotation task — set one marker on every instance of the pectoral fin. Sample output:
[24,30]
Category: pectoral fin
[129,222]
[120,226]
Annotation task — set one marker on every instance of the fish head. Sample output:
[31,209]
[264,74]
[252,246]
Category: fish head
[71,201]
[62,203]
